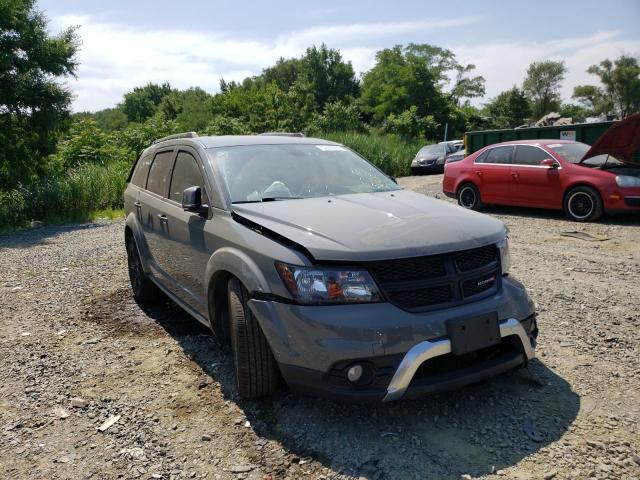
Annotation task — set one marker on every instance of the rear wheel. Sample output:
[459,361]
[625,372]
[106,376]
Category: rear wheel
[144,290]
[583,204]
[257,374]
[469,197]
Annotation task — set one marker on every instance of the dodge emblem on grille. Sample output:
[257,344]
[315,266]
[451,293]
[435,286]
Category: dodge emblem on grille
[491,279]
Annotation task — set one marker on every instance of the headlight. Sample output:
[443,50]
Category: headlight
[317,285]
[505,256]
[627,181]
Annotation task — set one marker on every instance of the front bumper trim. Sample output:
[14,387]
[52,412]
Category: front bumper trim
[423,351]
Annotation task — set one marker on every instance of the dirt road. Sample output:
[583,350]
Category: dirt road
[76,351]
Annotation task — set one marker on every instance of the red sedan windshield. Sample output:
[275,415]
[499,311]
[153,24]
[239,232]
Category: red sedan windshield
[574,152]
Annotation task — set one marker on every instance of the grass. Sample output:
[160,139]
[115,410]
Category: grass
[84,193]
[391,154]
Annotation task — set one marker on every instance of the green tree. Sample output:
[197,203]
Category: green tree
[189,108]
[409,124]
[404,77]
[285,72]
[338,116]
[33,104]
[542,86]
[84,143]
[142,103]
[577,113]
[466,86]
[223,125]
[620,94]
[509,109]
[110,119]
[330,76]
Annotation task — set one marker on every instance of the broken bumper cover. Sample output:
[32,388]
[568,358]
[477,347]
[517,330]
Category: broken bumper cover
[316,345]
[426,350]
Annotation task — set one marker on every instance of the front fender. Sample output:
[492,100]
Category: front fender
[240,265]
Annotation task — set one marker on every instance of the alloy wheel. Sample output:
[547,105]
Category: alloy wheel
[581,205]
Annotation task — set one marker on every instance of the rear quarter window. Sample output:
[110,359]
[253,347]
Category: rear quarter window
[139,177]
[482,157]
[500,155]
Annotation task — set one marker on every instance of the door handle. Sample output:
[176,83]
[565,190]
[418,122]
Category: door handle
[479,173]
[137,205]
[515,174]
[162,217]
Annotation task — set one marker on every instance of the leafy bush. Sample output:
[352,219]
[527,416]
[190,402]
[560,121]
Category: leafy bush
[224,125]
[337,117]
[410,125]
[389,153]
[92,176]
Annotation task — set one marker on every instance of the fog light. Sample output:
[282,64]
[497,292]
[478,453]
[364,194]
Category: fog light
[354,373]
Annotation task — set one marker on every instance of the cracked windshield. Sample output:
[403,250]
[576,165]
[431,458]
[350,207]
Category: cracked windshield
[259,173]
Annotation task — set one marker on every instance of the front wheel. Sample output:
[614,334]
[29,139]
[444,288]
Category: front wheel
[469,197]
[257,374]
[583,204]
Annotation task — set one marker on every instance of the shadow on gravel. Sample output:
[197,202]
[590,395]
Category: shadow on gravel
[42,236]
[476,430]
[617,218]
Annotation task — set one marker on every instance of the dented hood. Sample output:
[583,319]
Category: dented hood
[621,140]
[374,226]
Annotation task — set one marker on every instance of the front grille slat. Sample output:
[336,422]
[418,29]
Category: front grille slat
[438,281]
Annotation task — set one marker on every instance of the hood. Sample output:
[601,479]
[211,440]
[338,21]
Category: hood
[374,226]
[621,140]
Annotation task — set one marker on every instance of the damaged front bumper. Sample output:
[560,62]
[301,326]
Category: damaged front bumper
[404,355]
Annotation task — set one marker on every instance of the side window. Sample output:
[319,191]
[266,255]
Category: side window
[528,155]
[499,155]
[159,173]
[139,177]
[482,157]
[186,174]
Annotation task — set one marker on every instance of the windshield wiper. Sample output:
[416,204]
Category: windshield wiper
[275,199]
[267,199]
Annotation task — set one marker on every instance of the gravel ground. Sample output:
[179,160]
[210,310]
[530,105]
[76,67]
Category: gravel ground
[76,351]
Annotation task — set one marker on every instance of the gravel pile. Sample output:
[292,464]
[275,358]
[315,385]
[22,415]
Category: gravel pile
[93,386]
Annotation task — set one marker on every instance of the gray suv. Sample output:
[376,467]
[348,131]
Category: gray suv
[321,271]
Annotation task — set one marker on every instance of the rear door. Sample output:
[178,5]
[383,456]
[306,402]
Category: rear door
[534,184]
[185,251]
[153,204]
[492,171]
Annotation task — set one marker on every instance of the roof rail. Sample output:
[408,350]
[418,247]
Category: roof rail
[282,134]
[177,135]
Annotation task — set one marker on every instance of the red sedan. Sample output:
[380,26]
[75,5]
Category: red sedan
[545,174]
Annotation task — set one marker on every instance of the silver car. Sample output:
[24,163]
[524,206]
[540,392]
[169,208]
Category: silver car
[320,271]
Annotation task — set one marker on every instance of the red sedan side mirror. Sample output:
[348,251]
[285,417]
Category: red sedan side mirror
[549,162]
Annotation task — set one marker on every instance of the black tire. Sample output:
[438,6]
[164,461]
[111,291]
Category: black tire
[583,204]
[144,290]
[257,373]
[469,197]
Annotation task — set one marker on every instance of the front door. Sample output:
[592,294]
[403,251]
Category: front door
[185,252]
[533,184]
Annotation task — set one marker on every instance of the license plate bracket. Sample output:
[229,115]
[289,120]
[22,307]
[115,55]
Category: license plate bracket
[468,334]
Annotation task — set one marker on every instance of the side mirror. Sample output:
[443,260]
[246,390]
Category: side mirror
[192,201]
[549,162]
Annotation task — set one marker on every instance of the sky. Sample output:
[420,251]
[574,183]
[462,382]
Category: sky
[128,43]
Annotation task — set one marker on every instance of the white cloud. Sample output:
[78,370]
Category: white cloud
[505,64]
[113,59]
